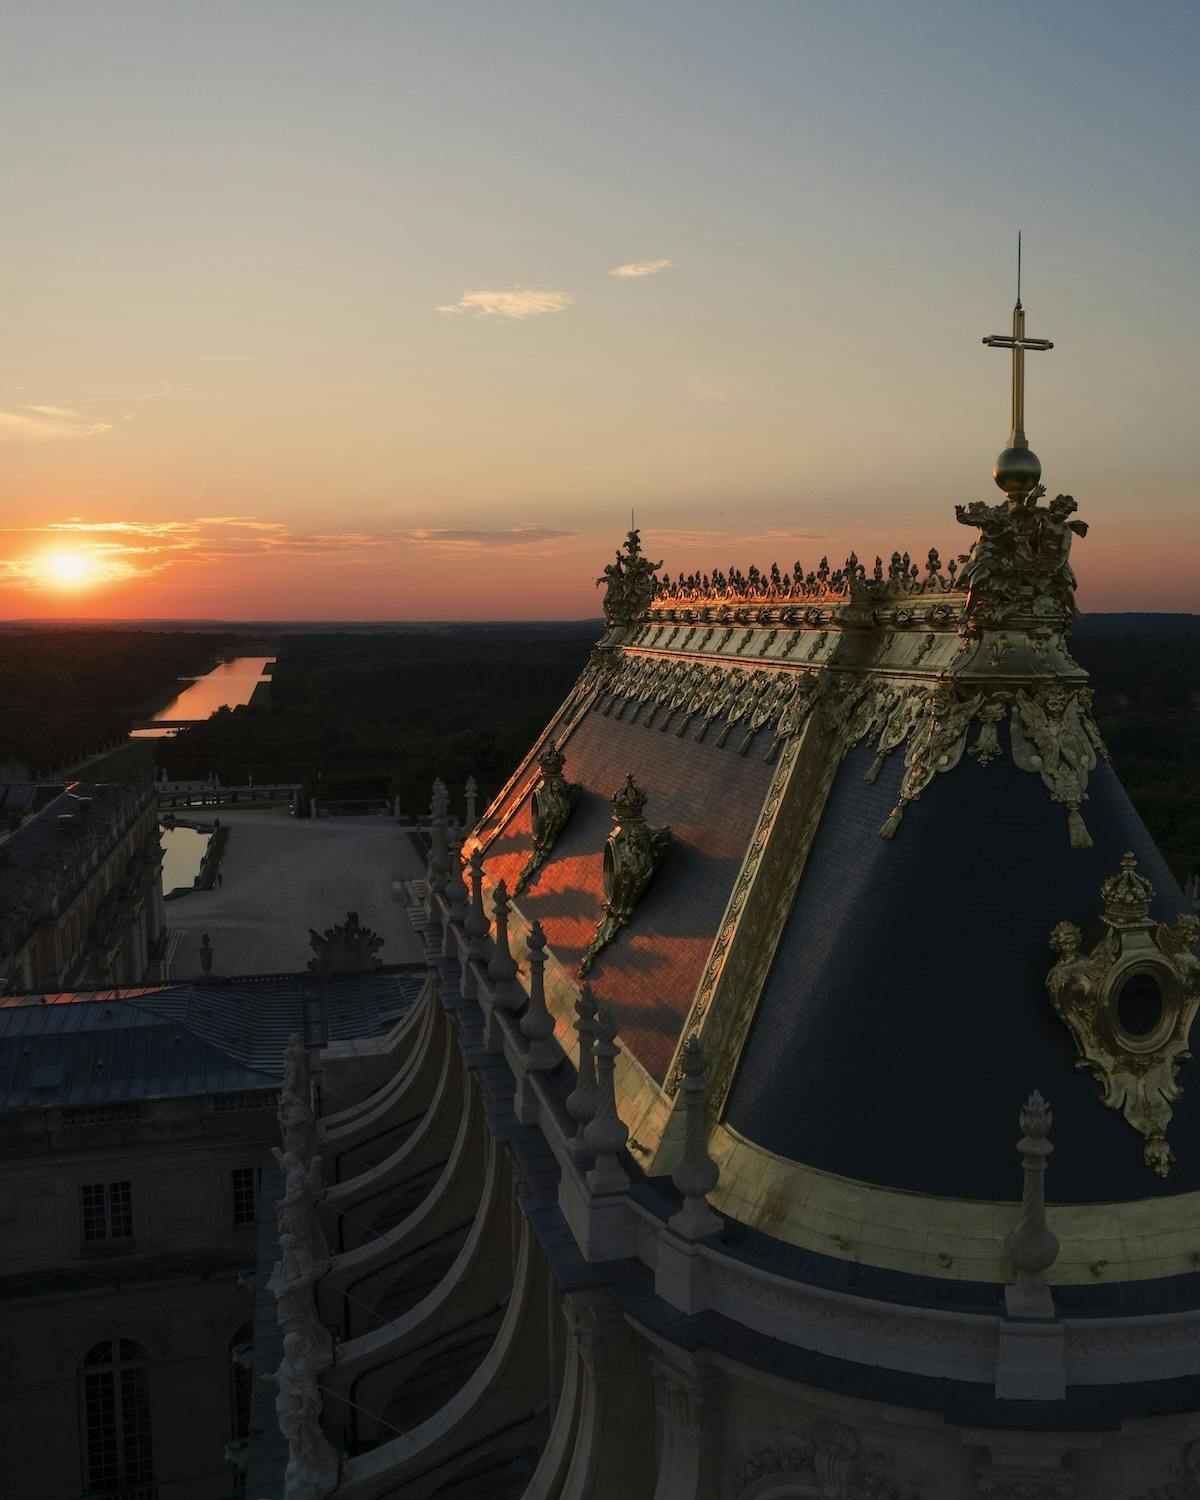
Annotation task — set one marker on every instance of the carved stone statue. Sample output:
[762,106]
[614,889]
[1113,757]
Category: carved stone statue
[297,1207]
[346,948]
[312,1469]
[631,856]
[629,583]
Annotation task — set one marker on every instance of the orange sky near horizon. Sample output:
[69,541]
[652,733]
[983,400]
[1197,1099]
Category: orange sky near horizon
[312,316]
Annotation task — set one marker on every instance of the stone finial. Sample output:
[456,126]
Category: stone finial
[472,791]
[537,1024]
[206,955]
[476,926]
[581,1101]
[695,1174]
[502,968]
[438,864]
[1030,1245]
[456,887]
[606,1133]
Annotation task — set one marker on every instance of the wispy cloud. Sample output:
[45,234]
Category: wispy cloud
[735,537]
[641,268]
[30,422]
[527,540]
[120,550]
[514,302]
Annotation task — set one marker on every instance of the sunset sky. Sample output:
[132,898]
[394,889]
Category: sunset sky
[395,310]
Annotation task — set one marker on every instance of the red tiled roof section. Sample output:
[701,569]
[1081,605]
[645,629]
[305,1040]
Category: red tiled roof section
[710,798]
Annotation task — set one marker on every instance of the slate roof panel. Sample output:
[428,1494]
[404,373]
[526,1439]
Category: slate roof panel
[710,798]
[905,1018]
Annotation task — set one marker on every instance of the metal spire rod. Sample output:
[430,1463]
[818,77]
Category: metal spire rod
[1018,343]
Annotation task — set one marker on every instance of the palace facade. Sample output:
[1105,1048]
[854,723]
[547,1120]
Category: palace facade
[81,897]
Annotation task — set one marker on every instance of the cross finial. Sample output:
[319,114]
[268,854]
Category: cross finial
[1018,469]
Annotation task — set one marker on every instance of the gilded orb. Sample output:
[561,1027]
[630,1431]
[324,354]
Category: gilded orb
[1017,470]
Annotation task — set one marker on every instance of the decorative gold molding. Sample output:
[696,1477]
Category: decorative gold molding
[954,1239]
[1130,1004]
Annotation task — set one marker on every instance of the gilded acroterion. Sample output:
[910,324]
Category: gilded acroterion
[551,804]
[632,853]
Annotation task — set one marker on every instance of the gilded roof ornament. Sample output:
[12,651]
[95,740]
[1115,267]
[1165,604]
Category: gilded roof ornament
[629,583]
[551,804]
[632,853]
[1129,1003]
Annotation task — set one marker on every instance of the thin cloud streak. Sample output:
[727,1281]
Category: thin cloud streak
[516,303]
[31,422]
[122,551]
[638,268]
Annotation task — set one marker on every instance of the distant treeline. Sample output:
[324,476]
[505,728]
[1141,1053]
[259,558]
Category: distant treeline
[1146,673]
[359,715]
[65,694]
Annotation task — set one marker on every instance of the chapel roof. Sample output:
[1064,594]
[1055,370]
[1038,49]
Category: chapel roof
[884,791]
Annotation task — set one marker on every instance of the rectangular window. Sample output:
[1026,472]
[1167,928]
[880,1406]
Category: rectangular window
[245,1196]
[106,1211]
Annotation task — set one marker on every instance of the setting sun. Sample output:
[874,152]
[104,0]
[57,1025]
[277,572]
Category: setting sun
[67,567]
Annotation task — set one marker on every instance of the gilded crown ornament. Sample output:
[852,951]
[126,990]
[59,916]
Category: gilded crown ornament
[551,804]
[1129,1003]
[632,853]
[1127,896]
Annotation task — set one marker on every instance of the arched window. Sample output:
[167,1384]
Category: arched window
[118,1456]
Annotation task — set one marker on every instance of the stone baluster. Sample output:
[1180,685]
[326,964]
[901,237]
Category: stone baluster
[695,1173]
[1031,1246]
[502,967]
[438,863]
[456,887]
[476,925]
[581,1101]
[606,1133]
[472,794]
[537,1024]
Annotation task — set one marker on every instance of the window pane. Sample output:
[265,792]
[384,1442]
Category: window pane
[120,1210]
[135,1435]
[91,1200]
[244,1207]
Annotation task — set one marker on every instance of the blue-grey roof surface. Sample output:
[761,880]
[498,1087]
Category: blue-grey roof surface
[108,1046]
[905,1018]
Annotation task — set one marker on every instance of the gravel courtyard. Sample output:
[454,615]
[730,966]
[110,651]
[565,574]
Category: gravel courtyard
[283,875]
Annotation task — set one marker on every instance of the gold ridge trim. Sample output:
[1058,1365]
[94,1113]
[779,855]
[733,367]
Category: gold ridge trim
[955,1239]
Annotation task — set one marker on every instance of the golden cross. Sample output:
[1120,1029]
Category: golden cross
[1018,343]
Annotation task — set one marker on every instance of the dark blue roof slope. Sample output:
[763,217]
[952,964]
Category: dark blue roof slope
[905,1018]
[105,1046]
[105,1052]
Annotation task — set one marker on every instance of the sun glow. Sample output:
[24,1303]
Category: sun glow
[67,568]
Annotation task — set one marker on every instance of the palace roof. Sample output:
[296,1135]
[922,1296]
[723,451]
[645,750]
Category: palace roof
[104,1047]
[885,796]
